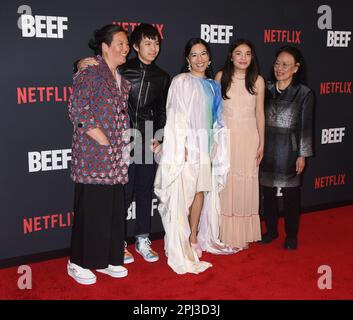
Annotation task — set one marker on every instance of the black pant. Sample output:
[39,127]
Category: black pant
[140,187]
[99,226]
[291,207]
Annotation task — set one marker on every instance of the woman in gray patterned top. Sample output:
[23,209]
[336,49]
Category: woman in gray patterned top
[288,141]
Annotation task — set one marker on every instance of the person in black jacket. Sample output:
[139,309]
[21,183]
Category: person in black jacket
[288,142]
[147,112]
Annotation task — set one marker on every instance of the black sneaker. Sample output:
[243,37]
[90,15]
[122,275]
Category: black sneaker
[291,243]
[268,237]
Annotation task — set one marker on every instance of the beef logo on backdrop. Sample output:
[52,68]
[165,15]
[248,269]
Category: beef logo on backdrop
[130,26]
[40,26]
[332,135]
[334,38]
[48,160]
[216,33]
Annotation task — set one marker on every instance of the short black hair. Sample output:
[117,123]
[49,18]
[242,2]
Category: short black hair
[104,34]
[144,30]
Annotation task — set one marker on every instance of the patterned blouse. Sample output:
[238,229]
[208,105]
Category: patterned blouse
[98,102]
[288,134]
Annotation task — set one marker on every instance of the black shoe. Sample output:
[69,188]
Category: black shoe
[268,237]
[290,243]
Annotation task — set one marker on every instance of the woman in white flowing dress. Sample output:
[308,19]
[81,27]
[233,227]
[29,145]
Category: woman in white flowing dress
[193,164]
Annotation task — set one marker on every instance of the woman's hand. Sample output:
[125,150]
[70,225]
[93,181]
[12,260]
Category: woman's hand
[86,62]
[98,135]
[104,141]
[259,155]
[155,146]
[300,165]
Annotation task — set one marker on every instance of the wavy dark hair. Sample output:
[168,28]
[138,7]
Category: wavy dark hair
[228,69]
[104,34]
[209,71]
[300,75]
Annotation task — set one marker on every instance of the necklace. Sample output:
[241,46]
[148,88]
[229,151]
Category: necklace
[278,89]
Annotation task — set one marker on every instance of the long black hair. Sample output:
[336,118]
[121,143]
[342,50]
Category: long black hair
[251,74]
[209,71]
[300,75]
[104,34]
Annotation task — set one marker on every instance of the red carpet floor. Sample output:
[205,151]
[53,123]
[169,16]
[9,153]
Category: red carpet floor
[261,272]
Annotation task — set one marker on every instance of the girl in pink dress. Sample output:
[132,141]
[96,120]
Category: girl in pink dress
[243,114]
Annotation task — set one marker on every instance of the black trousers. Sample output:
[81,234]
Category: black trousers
[291,207]
[99,226]
[140,187]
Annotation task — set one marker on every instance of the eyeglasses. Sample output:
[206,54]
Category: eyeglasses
[198,54]
[284,66]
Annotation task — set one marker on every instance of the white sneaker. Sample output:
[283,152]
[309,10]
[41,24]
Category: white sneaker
[143,247]
[80,275]
[128,257]
[114,271]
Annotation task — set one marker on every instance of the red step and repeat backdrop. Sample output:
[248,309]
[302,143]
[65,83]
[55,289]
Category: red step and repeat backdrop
[42,39]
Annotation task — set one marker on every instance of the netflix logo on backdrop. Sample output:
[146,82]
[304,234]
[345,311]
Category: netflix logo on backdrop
[336,87]
[282,36]
[47,222]
[130,26]
[330,181]
[40,223]
[27,95]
